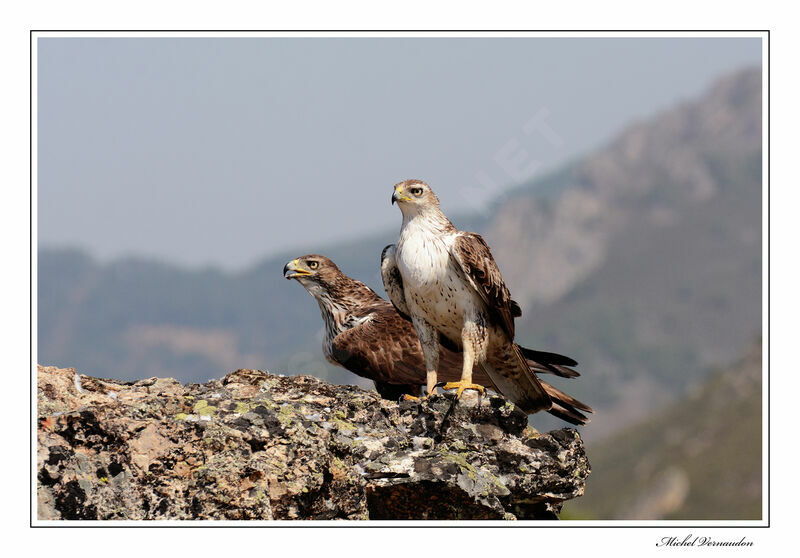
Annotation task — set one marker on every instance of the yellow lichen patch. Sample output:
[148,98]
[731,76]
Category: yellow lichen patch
[242,407]
[459,445]
[344,425]
[458,459]
[339,420]
[285,415]
[203,408]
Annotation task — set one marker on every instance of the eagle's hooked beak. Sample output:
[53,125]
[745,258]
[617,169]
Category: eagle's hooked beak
[293,269]
[398,196]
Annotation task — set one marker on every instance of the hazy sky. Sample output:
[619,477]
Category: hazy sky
[222,151]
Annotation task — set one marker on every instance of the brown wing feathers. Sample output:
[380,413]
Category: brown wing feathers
[475,259]
[384,348]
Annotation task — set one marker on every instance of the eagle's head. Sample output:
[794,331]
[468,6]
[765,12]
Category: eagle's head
[325,282]
[319,275]
[312,268]
[414,196]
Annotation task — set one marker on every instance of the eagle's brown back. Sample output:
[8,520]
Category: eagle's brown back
[386,348]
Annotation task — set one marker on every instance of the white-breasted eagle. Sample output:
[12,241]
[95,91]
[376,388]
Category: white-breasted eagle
[452,289]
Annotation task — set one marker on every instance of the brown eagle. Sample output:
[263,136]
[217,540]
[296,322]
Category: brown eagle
[448,283]
[366,335]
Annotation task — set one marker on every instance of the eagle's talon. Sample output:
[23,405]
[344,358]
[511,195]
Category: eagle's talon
[461,386]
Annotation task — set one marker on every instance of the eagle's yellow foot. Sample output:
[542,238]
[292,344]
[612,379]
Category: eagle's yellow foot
[461,386]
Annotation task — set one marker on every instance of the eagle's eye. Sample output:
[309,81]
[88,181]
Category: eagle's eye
[416,192]
[313,265]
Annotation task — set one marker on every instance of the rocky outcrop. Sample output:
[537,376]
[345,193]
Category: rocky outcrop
[260,446]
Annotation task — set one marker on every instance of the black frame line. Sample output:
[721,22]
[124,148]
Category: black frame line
[149,524]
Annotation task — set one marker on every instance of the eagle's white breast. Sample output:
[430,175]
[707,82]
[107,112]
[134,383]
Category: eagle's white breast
[434,289]
[423,257]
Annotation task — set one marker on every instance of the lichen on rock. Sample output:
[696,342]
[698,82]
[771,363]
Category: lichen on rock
[259,446]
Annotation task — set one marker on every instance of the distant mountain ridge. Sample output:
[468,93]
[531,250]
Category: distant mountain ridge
[641,260]
[698,459]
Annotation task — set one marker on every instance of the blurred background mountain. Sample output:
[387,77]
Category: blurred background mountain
[700,458]
[642,260]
